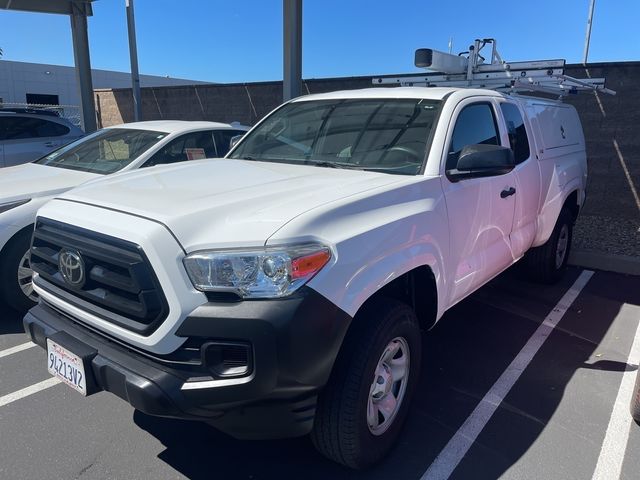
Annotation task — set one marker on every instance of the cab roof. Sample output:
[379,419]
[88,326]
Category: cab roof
[429,93]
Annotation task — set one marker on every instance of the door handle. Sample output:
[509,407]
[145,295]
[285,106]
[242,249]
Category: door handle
[508,192]
[50,144]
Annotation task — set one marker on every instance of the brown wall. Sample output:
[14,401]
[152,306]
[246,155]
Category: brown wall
[610,222]
[611,218]
[242,102]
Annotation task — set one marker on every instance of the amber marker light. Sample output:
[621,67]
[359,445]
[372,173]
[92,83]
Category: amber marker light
[304,267]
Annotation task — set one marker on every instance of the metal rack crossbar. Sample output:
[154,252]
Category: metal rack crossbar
[469,70]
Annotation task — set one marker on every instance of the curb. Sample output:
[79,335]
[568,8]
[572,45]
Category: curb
[625,264]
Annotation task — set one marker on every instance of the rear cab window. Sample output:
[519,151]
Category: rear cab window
[518,138]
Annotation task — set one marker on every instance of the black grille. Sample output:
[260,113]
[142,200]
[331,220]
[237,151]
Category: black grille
[119,278]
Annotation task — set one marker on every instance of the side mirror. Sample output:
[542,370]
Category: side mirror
[234,141]
[482,161]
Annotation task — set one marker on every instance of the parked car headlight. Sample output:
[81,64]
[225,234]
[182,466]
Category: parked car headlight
[256,273]
[8,206]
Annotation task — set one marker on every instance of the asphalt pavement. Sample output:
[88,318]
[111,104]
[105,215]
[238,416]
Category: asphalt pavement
[519,381]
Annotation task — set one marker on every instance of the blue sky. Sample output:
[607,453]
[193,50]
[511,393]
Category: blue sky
[241,40]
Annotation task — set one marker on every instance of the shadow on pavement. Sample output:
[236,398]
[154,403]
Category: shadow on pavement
[463,356]
[10,321]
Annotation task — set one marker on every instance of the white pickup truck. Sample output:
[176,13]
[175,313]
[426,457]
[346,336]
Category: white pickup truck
[280,291]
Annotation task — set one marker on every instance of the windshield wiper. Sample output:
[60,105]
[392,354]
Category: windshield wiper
[325,163]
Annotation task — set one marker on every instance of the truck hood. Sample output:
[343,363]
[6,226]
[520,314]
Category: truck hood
[225,203]
[32,180]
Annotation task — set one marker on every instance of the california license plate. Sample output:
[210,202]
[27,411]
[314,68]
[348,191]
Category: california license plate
[67,366]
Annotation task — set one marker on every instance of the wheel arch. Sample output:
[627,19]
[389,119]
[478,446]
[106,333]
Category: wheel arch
[10,284]
[572,203]
[10,241]
[417,288]
[548,217]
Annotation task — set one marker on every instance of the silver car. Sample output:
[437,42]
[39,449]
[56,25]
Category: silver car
[26,134]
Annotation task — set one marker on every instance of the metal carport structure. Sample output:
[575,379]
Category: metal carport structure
[78,11]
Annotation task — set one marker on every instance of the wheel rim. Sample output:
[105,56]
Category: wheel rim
[389,385]
[25,277]
[561,247]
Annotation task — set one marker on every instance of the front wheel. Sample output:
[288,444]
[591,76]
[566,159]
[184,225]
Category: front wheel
[548,262]
[15,273]
[361,411]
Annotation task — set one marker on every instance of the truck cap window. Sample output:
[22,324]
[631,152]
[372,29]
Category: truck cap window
[105,151]
[384,135]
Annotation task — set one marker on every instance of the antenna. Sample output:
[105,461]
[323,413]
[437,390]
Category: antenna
[468,69]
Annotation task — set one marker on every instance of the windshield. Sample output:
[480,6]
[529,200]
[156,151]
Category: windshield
[105,151]
[385,135]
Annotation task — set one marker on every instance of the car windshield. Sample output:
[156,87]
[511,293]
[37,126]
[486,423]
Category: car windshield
[385,135]
[105,151]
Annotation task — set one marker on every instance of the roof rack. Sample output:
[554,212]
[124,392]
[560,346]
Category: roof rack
[468,69]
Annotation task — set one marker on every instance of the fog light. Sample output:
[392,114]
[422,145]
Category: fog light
[227,359]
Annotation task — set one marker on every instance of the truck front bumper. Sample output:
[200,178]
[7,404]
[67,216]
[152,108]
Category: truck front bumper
[292,345]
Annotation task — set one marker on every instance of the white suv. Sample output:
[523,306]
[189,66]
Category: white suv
[26,134]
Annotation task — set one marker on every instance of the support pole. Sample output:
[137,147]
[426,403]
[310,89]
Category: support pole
[587,39]
[80,39]
[133,55]
[292,19]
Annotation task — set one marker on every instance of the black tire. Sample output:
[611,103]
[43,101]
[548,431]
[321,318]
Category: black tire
[9,262]
[635,401]
[341,430]
[541,263]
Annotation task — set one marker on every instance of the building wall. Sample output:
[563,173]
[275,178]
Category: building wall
[610,222]
[611,219]
[242,102]
[19,78]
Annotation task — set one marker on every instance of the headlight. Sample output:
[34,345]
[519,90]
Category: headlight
[256,273]
[8,206]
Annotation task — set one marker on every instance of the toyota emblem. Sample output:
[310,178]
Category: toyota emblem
[71,267]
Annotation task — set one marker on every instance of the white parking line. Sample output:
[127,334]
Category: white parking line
[613,448]
[450,456]
[16,349]
[25,392]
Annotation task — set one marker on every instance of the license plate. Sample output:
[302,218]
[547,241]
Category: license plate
[67,366]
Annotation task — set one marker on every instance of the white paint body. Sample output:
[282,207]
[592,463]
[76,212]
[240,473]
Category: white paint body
[378,226]
[41,183]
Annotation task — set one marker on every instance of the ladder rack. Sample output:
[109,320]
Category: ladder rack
[470,71]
